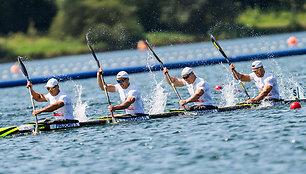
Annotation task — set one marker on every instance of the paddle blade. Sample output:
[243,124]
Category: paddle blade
[92,51]
[215,42]
[23,68]
[219,48]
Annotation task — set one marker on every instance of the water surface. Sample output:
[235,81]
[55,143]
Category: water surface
[265,140]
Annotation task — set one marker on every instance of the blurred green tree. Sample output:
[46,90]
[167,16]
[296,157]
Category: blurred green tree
[113,22]
[197,16]
[16,15]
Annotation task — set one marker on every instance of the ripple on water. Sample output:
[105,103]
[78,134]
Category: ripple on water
[263,140]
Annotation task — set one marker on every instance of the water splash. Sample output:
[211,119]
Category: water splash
[80,108]
[264,104]
[286,81]
[157,101]
[229,91]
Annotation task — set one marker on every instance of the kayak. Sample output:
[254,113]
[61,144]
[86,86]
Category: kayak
[55,124]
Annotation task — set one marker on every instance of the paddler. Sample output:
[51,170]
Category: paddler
[129,94]
[198,88]
[60,102]
[265,82]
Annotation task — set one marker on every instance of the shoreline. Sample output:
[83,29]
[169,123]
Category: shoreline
[43,48]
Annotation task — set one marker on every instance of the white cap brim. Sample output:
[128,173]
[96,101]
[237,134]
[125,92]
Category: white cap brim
[257,64]
[186,71]
[122,74]
[51,83]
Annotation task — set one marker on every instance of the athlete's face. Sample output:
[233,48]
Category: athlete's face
[259,72]
[189,78]
[53,91]
[123,82]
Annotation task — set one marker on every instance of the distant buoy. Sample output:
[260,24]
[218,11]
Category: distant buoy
[141,45]
[238,90]
[292,40]
[295,105]
[14,69]
[218,87]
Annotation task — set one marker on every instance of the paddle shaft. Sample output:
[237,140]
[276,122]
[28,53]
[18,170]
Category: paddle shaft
[25,72]
[167,74]
[102,78]
[228,61]
[33,105]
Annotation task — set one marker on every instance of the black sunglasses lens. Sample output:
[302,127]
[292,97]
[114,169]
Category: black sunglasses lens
[186,77]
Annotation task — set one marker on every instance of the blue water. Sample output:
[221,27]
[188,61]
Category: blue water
[264,140]
[76,64]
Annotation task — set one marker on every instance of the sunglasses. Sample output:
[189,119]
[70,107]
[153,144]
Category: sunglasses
[256,70]
[186,77]
[120,81]
[50,89]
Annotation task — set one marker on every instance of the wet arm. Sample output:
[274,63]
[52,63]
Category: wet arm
[175,81]
[266,90]
[126,104]
[195,96]
[109,87]
[242,77]
[50,108]
[36,96]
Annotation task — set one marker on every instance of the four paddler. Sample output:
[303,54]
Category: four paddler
[264,81]
[129,94]
[198,88]
[60,102]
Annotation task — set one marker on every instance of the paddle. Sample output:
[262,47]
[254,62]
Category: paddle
[24,70]
[228,61]
[167,74]
[104,85]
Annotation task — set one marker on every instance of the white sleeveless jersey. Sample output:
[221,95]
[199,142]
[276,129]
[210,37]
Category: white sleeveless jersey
[131,91]
[65,112]
[200,83]
[267,79]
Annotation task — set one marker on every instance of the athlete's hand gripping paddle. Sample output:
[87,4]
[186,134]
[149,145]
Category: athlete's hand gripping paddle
[24,70]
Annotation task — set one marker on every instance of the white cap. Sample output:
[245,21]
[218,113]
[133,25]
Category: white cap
[122,74]
[186,71]
[257,64]
[51,83]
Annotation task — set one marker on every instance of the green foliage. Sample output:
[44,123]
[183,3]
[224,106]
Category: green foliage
[16,15]
[38,47]
[112,22]
[6,54]
[119,24]
[270,19]
[166,38]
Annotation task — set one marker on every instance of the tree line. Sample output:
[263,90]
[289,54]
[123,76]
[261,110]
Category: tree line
[123,22]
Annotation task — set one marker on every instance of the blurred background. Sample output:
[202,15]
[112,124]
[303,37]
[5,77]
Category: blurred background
[51,28]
